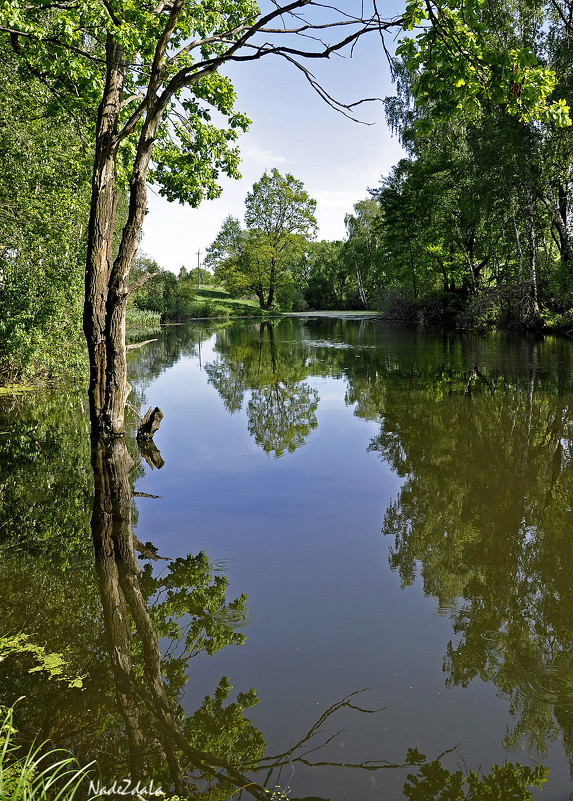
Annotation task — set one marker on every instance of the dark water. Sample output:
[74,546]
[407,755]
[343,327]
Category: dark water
[396,506]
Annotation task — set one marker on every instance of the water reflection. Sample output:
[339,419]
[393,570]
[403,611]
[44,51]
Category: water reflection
[126,634]
[190,611]
[481,430]
[485,517]
[281,409]
[434,782]
[216,753]
[481,434]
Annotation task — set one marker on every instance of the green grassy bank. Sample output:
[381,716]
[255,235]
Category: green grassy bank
[216,302]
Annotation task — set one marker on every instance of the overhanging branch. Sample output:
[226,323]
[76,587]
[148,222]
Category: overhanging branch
[246,48]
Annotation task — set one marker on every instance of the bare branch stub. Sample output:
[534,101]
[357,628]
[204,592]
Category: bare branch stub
[149,424]
[139,282]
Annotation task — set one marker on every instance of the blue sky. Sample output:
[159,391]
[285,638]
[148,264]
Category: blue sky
[295,131]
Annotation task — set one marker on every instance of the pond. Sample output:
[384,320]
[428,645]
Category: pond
[368,525]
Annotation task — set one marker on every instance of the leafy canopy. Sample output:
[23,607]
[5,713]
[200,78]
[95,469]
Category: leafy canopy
[280,208]
[65,44]
[464,56]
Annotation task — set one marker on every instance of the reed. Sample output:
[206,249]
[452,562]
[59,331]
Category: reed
[43,774]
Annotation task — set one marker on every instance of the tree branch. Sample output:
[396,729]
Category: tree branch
[139,282]
[189,75]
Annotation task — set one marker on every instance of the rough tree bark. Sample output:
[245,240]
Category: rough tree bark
[107,283]
[100,231]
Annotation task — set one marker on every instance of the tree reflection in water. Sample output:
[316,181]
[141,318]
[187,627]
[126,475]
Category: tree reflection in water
[281,409]
[162,745]
[498,562]
[484,515]
[216,753]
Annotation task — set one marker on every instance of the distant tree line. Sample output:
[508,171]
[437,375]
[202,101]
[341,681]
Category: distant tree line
[275,258]
[472,229]
[473,226]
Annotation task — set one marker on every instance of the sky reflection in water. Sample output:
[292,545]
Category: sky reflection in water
[457,447]
[396,507]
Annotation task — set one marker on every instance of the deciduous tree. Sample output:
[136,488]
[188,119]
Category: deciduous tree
[279,215]
[146,78]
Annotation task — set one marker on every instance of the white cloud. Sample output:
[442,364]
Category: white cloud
[252,154]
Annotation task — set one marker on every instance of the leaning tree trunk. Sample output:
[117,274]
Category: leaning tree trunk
[100,232]
[107,287]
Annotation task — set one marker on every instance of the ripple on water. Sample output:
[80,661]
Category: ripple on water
[445,609]
[550,683]
[221,565]
[232,617]
[491,635]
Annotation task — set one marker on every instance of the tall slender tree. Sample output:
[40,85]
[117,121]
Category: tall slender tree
[279,215]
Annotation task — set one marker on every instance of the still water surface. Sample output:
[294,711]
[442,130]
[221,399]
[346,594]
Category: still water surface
[395,505]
